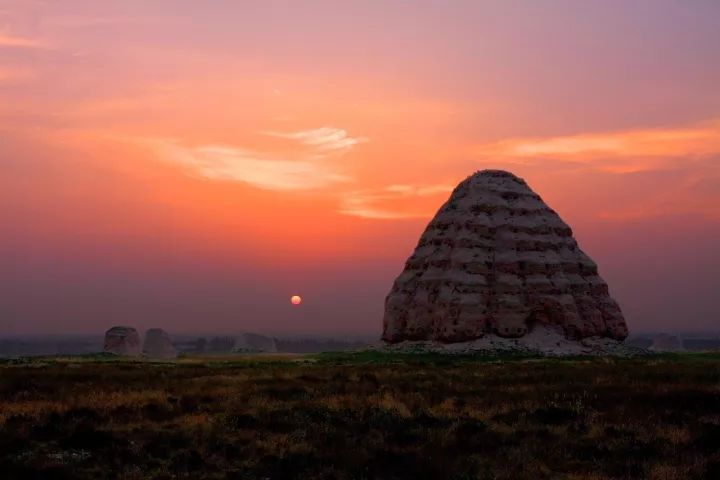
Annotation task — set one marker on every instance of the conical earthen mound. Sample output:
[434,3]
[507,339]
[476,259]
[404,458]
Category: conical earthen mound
[496,259]
[158,344]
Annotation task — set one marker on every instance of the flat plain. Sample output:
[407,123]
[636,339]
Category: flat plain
[360,416]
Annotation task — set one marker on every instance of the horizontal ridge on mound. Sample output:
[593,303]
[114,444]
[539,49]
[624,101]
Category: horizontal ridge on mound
[496,259]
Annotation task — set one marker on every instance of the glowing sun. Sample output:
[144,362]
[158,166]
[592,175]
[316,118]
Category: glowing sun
[296,299]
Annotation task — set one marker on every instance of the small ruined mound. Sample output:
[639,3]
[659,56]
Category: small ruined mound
[254,343]
[122,341]
[220,344]
[666,343]
[158,344]
[496,260]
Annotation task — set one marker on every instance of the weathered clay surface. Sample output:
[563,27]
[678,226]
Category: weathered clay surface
[252,342]
[545,340]
[122,341]
[158,344]
[496,259]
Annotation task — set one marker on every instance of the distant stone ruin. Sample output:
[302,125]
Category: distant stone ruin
[220,344]
[243,343]
[496,260]
[158,344]
[122,341]
[254,343]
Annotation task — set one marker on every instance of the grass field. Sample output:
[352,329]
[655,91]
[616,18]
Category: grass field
[365,415]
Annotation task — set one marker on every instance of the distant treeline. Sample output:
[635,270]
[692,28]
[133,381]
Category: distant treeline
[701,344]
[314,346]
[689,344]
[227,343]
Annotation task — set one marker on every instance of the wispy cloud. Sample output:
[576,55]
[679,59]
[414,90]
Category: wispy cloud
[84,20]
[418,190]
[323,138]
[360,204]
[390,202]
[232,163]
[12,41]
[599,149]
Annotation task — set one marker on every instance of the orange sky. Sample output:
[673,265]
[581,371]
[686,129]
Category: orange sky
[191,164]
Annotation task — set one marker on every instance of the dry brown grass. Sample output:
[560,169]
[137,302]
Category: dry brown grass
[361,416]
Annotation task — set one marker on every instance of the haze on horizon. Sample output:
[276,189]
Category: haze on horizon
[191,165]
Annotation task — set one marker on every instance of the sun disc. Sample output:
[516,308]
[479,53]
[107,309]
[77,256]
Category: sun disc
[296,299]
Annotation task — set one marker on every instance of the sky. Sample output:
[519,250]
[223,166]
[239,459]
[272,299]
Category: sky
[191,165]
